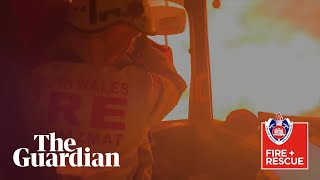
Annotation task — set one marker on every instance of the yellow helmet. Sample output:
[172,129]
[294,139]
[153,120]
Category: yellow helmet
[96,15]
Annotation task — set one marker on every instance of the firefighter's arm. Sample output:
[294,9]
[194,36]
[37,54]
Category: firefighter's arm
[158,59]
[144,171]
[166,86]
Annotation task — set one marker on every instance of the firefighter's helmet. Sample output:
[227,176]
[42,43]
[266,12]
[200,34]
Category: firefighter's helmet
[96,15]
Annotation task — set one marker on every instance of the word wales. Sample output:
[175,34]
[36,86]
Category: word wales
[62,153]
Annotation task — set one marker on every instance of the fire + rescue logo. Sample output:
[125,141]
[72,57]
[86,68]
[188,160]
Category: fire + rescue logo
[284,144]
[279,129]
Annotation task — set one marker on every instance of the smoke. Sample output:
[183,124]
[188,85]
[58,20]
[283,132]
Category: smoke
[301,14]
[264,57]
[265,53]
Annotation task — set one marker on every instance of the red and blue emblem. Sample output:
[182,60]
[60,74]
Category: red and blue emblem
[278,129]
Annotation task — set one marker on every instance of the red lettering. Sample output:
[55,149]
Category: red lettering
[81,137]
[100,112]
[64,133]
[124,88]
[66,104]
[118,137]
[64,84]
[106,139]
[88,85]
[93,138]
[83,84]
[115,86]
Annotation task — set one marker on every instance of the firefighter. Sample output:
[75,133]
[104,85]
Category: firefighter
[93,89]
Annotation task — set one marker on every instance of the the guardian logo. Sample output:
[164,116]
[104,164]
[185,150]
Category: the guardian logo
[62,153]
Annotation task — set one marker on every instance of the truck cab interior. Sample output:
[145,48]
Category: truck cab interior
[205,141]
